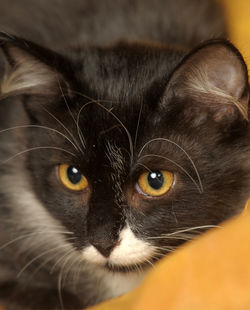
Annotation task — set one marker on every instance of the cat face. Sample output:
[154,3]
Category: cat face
[131,150]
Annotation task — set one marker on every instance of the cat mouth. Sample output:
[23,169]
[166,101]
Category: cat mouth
[142,267]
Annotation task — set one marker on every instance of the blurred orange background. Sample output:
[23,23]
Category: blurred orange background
[238,18]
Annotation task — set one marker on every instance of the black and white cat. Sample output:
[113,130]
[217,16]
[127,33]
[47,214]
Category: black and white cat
[119,141]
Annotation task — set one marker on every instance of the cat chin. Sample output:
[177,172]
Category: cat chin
[117,283]
[132,254]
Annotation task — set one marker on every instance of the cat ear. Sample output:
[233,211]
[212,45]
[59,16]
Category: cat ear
[212,79]
[28,68]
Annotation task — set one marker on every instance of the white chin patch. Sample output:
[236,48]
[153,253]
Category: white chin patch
[130,251]
[91,255]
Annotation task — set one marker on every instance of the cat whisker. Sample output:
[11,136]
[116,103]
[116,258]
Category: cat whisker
[65,271]
[144,166]
[59,289]
[51,258]
[160,255]
[32,234]
[92,99]
[167,248]
[103,132]
[43,264]
[34,149]
[63,274]
[61,259]
[181,148]
[113,115]
[38,227]
[150,263]
[65,128]
[110,112]
[65,100]
[137,126]
[80,134]
[39,127]
[39,256]
[175,163]
[162,252]
[131,147]
[184,237]
[33,245]
[138,268]
[178,232]
[194,228]
[75,272]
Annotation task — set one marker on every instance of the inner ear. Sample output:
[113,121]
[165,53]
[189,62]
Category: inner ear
[215,77]
[27,69]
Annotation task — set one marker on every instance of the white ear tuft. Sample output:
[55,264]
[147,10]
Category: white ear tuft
[217,75]
[25,73]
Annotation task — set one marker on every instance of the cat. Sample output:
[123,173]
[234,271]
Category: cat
[124,133]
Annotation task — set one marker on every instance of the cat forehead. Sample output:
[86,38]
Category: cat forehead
[124,70]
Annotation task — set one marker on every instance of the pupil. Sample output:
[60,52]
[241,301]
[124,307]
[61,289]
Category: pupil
[74,175]
[155,179]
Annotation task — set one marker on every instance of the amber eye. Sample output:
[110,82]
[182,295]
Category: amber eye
[72,178]
[155,183]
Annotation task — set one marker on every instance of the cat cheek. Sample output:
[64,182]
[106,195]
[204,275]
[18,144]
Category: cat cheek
[133,197]
[85,197]
[138,200]
[133,201]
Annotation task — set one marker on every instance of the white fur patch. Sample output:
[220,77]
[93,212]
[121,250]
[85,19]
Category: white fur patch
[28,73]
[91,255]
[44,233]
[130,251]
[202,83]
[119,284]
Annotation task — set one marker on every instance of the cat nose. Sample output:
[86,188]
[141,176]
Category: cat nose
[103,225]
[103,246]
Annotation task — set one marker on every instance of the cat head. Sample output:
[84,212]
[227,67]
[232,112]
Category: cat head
[131,148]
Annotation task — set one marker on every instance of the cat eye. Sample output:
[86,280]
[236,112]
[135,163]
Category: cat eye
[72,178]
[155,183]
